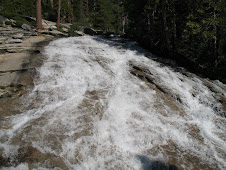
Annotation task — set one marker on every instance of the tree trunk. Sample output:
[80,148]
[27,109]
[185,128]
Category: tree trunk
[215,40]
[86,7]
[38,14]
[51,2]
[71,15]
[166,33]
[123,24]
[174,32]
[58,18]
[64,17]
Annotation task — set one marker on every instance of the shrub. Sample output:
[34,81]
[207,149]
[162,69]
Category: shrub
[8,22]
[19,23]
[72,30]
[60,28]
[2,87]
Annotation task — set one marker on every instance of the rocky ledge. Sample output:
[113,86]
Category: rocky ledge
[19,57]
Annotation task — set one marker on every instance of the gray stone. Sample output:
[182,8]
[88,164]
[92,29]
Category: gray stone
[57,33]
[100,32]
[8,78]
[18,36]
[44,32]
[80,33]
[65,25]
[16,49]
[27,33]
[26,27]
[14,41]
[11,62]
[65,30]
[3,19]
[34,34]
[51,28]
[7,32]
[12,20]
[3,39]
[90,31]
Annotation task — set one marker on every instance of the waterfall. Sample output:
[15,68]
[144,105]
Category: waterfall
[109,104]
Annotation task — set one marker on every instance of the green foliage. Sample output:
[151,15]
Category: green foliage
[103,17]
[195,30]
[18,10]
[2,87]
[72,30]
[8,22]
[191,29]
[20,7]
[107,15]
[60,28]
[19,23]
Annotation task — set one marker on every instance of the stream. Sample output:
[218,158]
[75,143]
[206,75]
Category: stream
[109,104]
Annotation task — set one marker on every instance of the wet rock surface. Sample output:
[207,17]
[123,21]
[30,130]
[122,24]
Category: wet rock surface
[19,57]
[102,104]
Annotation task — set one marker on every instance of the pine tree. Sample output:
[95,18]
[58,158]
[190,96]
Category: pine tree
[38,14]
[58,17]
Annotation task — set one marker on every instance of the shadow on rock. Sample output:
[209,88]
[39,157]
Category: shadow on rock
[147,164]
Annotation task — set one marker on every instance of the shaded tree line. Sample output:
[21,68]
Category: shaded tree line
[100,14]
[192,32]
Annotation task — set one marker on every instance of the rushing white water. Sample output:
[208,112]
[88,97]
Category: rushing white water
[101,104]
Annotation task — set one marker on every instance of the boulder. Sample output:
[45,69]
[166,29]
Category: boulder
[43,31]
[66,25]
[34,34]
[47,24]
[18,36]
[65,30]
[110,34]
[14,41]
[80,33]
[90,31]
[53,27]
[3,19]
[57,33]
[100,32]
[12,20]
[26,27]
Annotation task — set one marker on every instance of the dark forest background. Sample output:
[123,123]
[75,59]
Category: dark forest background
[193,32]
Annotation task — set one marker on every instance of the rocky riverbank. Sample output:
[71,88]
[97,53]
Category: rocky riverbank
[19,57]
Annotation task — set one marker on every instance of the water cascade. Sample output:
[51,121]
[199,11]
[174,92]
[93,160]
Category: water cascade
[108,104]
